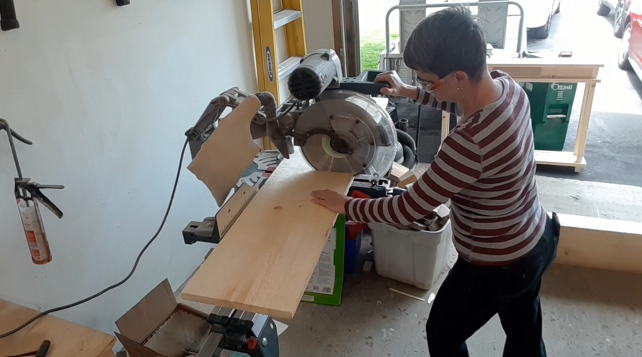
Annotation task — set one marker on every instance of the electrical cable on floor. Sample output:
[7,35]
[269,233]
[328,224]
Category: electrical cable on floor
[160,228]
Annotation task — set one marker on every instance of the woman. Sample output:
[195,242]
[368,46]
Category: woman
[486,167]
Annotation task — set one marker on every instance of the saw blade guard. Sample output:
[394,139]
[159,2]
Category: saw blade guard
[346,131]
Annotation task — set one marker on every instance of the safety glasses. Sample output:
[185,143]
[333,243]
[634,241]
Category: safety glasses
[430,87]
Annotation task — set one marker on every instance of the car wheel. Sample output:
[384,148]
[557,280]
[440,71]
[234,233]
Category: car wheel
[602,9]
[542,32]
[623,53]
[618,24]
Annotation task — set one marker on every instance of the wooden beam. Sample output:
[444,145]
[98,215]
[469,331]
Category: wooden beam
[336,26]
[353,41]
[600,243]
[267,258]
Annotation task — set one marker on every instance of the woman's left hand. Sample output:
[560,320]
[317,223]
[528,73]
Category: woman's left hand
[332,200]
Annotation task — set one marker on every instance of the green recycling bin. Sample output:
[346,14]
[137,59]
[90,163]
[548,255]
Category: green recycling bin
[551,107]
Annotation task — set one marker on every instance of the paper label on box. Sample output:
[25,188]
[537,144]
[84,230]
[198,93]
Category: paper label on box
[323,277]
[331,243]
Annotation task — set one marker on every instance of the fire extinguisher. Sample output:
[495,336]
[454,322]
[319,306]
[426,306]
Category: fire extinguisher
[28,196]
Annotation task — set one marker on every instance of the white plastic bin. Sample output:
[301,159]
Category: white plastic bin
[412,257]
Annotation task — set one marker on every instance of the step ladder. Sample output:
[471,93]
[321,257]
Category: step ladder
[279,45]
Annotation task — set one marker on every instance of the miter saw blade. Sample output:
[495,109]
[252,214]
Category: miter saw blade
[367,134]
[318,153]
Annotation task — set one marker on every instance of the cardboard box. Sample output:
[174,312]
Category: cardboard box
[326,284]
[159,326]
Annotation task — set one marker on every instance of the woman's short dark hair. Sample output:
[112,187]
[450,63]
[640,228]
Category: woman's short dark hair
[446,41]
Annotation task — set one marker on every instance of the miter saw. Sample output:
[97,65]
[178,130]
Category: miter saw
[338,126]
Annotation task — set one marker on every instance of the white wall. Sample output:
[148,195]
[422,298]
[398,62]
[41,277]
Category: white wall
[319,32]
[106,94]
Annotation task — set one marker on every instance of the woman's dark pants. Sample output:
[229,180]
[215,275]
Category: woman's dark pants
[471,295]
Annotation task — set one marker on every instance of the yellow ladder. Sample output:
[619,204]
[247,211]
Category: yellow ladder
[279,44]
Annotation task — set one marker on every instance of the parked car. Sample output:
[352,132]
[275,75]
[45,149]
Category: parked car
[538,15]
[630,53]
[620,8]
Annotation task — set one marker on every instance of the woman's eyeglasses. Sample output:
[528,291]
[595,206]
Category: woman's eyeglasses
[430,87]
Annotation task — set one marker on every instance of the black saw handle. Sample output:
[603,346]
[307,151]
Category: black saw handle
[364,83]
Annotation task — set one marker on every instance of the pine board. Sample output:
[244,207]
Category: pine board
[266,259]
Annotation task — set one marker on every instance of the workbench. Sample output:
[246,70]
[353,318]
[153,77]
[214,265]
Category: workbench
[67,339]
[551,70]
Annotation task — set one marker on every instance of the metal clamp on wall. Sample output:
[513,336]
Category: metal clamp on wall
[8,19]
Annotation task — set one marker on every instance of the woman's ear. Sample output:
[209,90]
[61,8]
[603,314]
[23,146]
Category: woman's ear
[461,77]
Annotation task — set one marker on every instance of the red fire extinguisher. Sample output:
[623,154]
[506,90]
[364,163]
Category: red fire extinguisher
[28,195]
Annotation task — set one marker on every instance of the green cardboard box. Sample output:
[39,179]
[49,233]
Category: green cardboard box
[326,285]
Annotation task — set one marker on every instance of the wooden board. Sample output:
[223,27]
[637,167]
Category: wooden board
[600,243]
[67,339]
[268,256]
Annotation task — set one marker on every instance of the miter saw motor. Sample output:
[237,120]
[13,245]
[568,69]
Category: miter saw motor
[334,120]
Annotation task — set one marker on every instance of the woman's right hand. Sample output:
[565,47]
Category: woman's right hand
[397,87]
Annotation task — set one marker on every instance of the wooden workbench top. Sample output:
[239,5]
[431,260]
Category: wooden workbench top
[67,339]
[544,62]
[549,69]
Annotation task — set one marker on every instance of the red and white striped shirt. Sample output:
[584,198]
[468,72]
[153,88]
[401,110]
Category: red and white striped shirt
[486,167]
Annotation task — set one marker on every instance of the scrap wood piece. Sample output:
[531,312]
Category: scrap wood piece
[408,180]
[399,172]
[408,295]
[267,258]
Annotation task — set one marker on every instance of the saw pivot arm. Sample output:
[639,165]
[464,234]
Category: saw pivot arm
[266,121]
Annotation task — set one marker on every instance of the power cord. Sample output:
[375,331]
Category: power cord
[169,206]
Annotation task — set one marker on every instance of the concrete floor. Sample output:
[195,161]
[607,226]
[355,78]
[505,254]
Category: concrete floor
[586,313]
